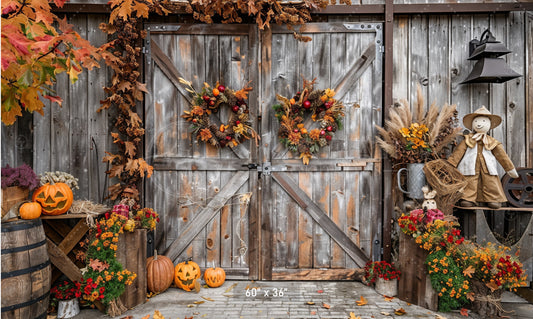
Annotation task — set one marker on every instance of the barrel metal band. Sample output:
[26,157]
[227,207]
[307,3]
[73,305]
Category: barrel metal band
[7,227]
[25,271]
[25,304]
[23,248]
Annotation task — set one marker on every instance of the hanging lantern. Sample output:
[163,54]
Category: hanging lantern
[489,68]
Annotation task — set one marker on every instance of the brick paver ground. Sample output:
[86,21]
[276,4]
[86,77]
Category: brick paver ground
[279,300]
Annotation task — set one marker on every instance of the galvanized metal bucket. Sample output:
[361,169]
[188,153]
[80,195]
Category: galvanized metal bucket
[415,180]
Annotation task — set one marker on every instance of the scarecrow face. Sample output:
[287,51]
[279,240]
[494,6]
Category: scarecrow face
[481,124]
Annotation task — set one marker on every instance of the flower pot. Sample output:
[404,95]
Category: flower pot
[68,308]
[387,288]
[11,196]
[415,180]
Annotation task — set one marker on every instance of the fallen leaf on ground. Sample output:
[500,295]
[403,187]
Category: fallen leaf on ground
[387,298]
[130,317]
[158,315]
[362,301]
[230,288]
[247,287]
[190,306]
[464,312]
[146,317]
[320,291]
[191,317]
[440,317]
[198,302]
[313,312]
[385,313]
[310,303]
[408,304]
[325,305]
[208,299]
[399,312]
[352,316]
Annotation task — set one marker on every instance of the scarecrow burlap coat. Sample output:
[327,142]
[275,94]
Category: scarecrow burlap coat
[478,163]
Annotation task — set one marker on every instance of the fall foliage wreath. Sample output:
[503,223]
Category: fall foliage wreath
[291,114]
[211,100]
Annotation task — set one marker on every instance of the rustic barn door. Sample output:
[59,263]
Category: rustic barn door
[325,217]
[257,210]
[202,192]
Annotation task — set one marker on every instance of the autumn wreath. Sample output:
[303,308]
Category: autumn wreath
[210,101]
[291,113]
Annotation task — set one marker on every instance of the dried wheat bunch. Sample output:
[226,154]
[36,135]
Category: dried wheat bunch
[416,136]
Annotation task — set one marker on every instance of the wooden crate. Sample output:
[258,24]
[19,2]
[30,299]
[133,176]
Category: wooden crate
[415,285]
[131,253]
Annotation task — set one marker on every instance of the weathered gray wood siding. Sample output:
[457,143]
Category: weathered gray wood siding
[62,139]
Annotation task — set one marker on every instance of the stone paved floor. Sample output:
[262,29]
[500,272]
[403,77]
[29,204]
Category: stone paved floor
[284,300]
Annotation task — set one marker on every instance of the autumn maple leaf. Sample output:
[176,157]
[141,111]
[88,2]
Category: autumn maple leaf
[243,93]
[98,265]
[469,271]
[464,312]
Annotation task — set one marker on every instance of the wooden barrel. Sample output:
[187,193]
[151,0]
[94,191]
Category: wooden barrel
[26,270]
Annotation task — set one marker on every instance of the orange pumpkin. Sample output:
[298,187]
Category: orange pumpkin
[55,199]
[30,210]
[186,274]
[159,273]
[214,277]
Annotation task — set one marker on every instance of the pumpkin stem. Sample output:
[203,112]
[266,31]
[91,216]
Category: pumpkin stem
[155,254]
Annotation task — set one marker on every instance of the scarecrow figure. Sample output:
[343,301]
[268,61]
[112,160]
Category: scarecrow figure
[476,158]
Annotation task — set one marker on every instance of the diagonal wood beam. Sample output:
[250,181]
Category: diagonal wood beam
[206,215]
[322,219]
[168,68]
[344,85]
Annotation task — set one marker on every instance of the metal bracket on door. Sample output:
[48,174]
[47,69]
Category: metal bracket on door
[266,168]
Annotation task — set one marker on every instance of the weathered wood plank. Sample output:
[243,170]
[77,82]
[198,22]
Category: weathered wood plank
[205,215]
[418,56]
[400,65]
[321,239]
[318,274]
[529,86]
[460,33]
[355,71]
[338,216]
[322,219]
[74,236]
[438,56]
[305,225]
[79,119]
[98,123]
[516,92]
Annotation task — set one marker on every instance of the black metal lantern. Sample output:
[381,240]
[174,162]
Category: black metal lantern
[489,68]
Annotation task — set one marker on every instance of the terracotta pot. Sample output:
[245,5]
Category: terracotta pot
[68,308]
[387,288]
[13,195]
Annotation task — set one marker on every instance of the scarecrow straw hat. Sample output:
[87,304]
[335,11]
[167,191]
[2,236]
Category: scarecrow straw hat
[495,120]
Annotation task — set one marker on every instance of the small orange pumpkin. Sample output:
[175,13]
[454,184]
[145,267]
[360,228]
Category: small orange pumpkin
[30,210]
[185,275]
[159,273]
[55,199]
[214,277]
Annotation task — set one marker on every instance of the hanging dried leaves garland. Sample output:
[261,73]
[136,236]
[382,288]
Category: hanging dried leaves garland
[291,114]
[263,12]
[124,93]
[210,101]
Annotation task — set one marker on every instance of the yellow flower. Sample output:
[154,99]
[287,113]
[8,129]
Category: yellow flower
[405,132]
[330,92]
[239,129]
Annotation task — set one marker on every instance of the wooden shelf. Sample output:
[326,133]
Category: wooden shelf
[68,216]
[513,209]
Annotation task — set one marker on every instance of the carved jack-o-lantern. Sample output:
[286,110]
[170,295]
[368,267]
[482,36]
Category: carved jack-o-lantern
[186,274]
[214,277]
[55,199]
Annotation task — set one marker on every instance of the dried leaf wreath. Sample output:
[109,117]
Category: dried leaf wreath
[291,114]
[211,100]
